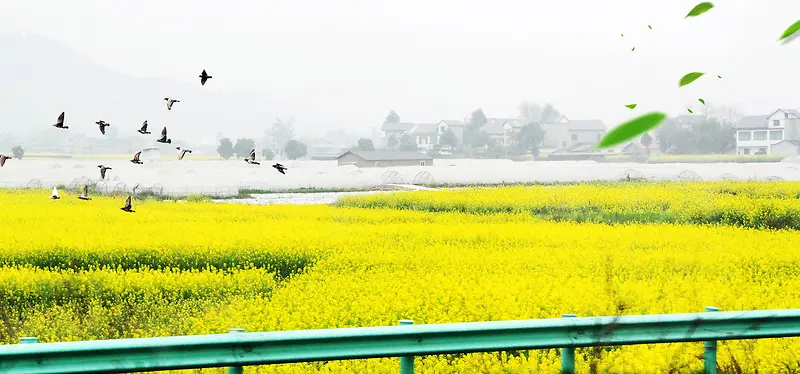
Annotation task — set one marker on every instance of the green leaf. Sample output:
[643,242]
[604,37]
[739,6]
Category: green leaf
[633,49]
[631,106]
[790,33]
[702,101]
[649,27]
[690,111]
[689,78]
[622,35]
[699,9]
[632,129]
[719,76]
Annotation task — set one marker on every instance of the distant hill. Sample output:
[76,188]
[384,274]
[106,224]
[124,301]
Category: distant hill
[40,78]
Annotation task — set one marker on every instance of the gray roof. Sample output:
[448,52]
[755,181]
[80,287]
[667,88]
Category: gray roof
[689,118]
[554,118]
[424,128]
[388,156]
[398,126]
[752,122]
[587,124]
[493,126]
[452,122]
[795,142]
[790,111]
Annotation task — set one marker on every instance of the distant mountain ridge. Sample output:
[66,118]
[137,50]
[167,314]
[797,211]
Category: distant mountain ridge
[40,78]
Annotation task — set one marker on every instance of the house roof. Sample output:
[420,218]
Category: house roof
[554,118]
[790,111]
[397,126]
[387,156]
[424,128]
[795,142]
[452,122]
[586,124]
[689,118]
[752,122]
[494,126]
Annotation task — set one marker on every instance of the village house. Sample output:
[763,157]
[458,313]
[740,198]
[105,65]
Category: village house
[456,126]
[365,159]
[563,133]
[394,129]
[426,135]
[758,134]
[502,130]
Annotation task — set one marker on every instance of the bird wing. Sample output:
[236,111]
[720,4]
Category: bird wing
[164,132]
[102,130]
[86,190]
[128,202]
[61,118]
[144,126]
[253,155]
[2,160]
[180,157]
[136,156]
[55,191]
[102,173]
[204,73]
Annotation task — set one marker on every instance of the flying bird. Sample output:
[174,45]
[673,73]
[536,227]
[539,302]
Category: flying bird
[204,77]
[128,208]
[170,102]
[183,152]
[85,194]
[55,194]
[280,168]
[143,130]
[251,159]
[103,125]
[135,159]
[3,159]
[60,123]
[103,171]
[164,137]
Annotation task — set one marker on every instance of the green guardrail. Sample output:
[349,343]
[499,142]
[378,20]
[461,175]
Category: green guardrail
[406,341]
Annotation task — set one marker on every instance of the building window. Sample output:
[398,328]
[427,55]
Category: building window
[776,135]
[422,163]
[759,135]
[776,122]
[746,151]
[744,136]
[574,137]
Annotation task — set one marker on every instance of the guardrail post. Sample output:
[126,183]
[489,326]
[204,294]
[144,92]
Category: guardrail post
[235,369]
[568,354]
[710,353]
[406,362]
[28,340]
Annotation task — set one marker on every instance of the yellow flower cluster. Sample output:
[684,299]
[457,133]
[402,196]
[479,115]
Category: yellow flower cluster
[750,204]
[162,270]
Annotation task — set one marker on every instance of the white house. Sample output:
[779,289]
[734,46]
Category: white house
[425,134]
[456,126]
[757,134]
[563,133]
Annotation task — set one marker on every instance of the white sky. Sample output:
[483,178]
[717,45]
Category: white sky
[437,59]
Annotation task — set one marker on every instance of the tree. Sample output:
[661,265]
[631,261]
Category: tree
[547,112]
[407,143]
[449,139]
[267,154]
[392,141]
[243,147]
[529,112]
[365,144]
[530,138]
[392,117]
[472,129]
[704,137]
[282,131]
[295,149]
[225,148]
[17,152]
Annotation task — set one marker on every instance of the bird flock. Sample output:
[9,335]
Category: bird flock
[164,139]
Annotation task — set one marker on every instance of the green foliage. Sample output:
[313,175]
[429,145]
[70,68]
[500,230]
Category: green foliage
[689,78]
[408,144]
[225,148]
[631,129]
[365,144]
[17,152]
[295,149]
[267,154]
[243,147]
[699,9]
[790,33]
[707,137]
[392,117]
[449,139]
[530,138]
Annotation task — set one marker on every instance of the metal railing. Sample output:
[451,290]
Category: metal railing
[238,348]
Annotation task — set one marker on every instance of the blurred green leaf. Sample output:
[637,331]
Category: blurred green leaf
[699,9]
[650,27]
[631,129]
[631,106]
[702,101]
[689,78]
[633,49]
[791,33]
[690,111]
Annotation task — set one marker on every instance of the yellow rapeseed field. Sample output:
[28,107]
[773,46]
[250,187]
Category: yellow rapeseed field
[74,270]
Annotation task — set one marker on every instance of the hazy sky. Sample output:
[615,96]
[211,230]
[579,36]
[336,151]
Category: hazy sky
[437,59]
